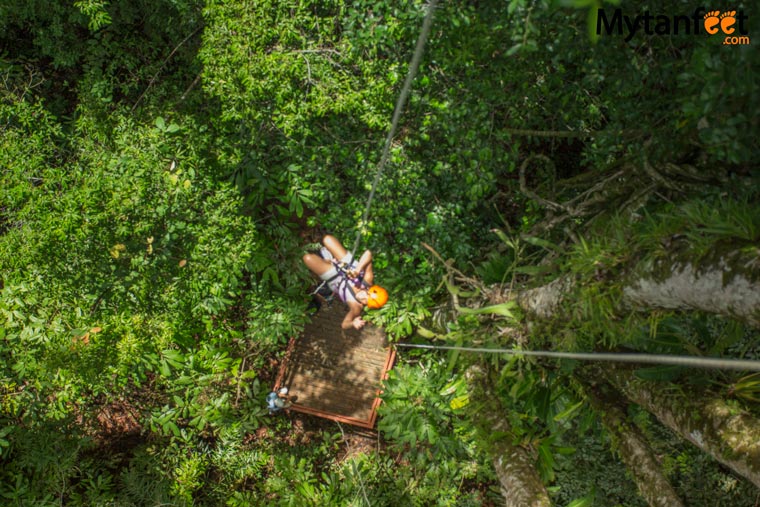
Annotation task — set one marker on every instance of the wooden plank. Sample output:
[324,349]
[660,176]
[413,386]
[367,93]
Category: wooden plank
[336,348]
[362,423]
[339,358]
[355,370]
[369,375]
[303,381]
[323,393]
[345,340]
[337,374]
[361,410]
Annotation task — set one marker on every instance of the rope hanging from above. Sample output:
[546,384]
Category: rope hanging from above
[413,66]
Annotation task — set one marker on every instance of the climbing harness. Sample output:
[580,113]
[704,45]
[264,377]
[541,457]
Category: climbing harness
[342,270]
[415,63]
[690,361]
[348,282]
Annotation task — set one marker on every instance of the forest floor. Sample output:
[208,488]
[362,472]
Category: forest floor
[308,430]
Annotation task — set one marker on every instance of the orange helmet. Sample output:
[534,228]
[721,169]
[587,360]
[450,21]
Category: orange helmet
[376,297]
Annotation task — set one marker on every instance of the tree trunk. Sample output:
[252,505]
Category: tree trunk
[544,302]
[632,446]
[520,484]
[724,288]
[731,436]
[727,286]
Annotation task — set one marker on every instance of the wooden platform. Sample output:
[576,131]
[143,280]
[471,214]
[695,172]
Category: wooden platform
[334,373]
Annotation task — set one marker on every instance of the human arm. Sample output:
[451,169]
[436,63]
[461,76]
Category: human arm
[353,317]
[365,264]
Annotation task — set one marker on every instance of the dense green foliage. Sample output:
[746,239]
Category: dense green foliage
[163,166]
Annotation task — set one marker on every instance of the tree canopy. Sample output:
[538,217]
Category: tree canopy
[164,165]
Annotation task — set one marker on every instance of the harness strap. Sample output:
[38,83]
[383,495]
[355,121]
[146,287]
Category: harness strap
[350,284]
[336,275]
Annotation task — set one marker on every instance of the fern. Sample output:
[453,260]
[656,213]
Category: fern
[144,481]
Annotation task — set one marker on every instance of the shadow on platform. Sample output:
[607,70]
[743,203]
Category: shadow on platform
[337,373]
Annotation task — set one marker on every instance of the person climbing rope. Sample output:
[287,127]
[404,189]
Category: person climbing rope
[349,279]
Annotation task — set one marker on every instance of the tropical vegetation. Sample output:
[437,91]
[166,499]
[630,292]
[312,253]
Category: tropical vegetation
[165,164]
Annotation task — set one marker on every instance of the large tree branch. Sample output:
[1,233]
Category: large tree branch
[731,436]
[723,288]
[632,446]
[514,466]
[712,290]
[544,302]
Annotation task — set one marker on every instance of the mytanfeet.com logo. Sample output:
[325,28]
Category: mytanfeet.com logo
[730,24]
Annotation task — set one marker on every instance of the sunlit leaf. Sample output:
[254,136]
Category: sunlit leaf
[459,402]
[504,309]
[116,250]
[568,412]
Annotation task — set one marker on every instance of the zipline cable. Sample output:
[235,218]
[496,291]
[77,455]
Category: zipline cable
[415,63]
[690,361]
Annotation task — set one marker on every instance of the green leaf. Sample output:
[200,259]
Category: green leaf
[532,270]
[565,451]
[453,289]
[568,412]
[503,237]
[514,49]
[532,240]
[547,460]
[171,426]
[503,309]
[733,333]
[591,19]
[459,402]
[425,333]
[160,123]
[586,501]
[173,357]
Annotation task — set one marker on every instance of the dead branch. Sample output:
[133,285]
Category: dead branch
[525,190]
[161,67]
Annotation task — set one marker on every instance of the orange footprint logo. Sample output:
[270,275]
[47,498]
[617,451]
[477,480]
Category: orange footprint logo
[712,21]
[727,21]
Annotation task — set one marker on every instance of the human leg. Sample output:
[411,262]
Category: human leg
[317,264]
[335,247]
